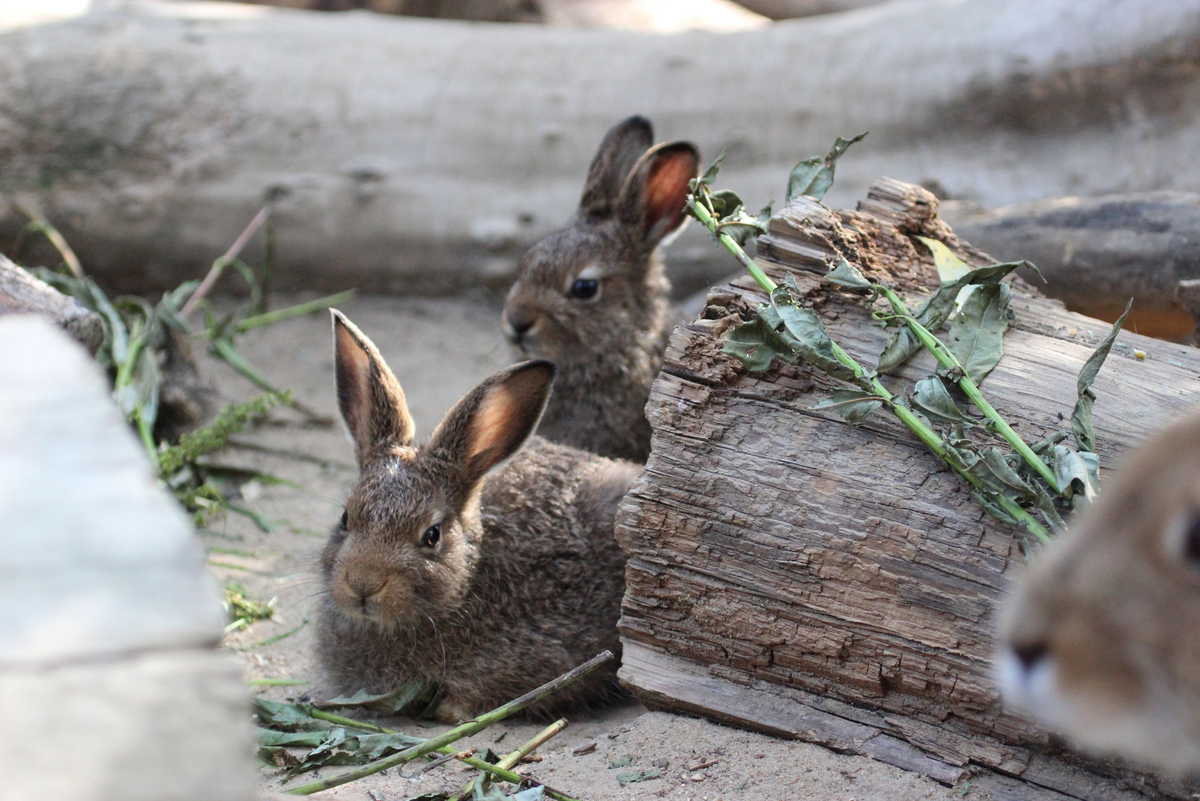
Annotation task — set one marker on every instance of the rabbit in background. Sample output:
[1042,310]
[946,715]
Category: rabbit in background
[478,561]
[1101,640]
[593,297]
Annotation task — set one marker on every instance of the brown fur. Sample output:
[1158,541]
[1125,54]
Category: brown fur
[526,579]
[1115,609]
[608,349]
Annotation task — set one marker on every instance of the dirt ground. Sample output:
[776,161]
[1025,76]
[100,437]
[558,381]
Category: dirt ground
[439,349]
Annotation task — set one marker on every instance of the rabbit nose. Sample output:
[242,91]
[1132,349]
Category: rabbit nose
[1030,654]
[518,322]
[366,586]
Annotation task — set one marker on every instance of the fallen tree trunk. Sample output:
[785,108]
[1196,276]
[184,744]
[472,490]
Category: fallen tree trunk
[1097,253]
[423,155]
[21,293]
[835,583]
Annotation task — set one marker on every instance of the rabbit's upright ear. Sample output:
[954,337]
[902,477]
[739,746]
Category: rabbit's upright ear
[653,199]
[623,145]
[369,396]
[492,421]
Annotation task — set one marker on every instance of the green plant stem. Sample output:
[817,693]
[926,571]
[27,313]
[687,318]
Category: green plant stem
[914,423]
[932,441]
[458,732]
[293,311]
[513,759]
[734,248]
[948,360]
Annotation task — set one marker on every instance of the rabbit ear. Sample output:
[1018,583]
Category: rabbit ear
[653,198]
[623,145]
[492,421]
[369,396]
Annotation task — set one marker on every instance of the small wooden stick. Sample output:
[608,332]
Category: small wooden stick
[220,264]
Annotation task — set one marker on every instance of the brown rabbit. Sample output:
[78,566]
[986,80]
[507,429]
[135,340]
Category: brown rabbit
[1101,641]
[593,296]
[459,563]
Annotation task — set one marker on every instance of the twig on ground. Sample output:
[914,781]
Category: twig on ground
[224,261]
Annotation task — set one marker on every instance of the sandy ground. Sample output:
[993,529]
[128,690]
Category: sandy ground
[439,349]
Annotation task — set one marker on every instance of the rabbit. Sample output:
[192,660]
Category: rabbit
[469,562]
[592,297]
[1101,640]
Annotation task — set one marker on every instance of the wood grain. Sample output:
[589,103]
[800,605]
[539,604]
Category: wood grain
[774,546]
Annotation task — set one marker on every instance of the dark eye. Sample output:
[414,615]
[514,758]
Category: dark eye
[345,519]
[585,288]
[431,536]
[1191,541]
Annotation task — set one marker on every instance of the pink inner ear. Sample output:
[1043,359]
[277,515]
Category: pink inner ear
[667,188]
[353,374]
[493,424]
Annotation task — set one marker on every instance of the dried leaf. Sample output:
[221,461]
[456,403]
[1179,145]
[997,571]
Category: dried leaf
[392,703]
[931,397]
[949,266]
[1081,418]
[814,176]
[852,404]
[846,275]
[639,776]
[976,336]
[1073,473]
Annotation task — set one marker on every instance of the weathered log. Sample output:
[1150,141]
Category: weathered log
[21,293]
[1097,253]
[426,155]
[835,583]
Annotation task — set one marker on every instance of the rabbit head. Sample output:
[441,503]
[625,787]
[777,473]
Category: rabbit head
[592,297]
[408,541]
[1101,640]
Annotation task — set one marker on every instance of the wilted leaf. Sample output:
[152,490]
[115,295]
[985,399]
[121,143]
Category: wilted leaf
[991,469]
[976,336]
[949,266]
[725,203]
[852,404]
[1081,418]
[309,739]
[751,344]
[287,716]
[801,331]
[710,174]
[936,310]
[392,702]
[814,176]
[931,397]
[845,274]
[1072,473]
[741,227]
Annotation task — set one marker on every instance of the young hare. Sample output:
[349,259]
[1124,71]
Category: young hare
[469,562]
[593,297]
[1102,639]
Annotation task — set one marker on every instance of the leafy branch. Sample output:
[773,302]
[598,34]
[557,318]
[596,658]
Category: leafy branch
[974,301]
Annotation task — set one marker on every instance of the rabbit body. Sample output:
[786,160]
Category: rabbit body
[593,297]
[522,580]
[1102,638]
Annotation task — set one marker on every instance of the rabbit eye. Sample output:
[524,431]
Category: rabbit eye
[431,536]
[345,522]
[1191,541]
[585,289]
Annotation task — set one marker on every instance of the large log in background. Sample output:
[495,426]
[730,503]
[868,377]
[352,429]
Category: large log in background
[427,155]
[795,574]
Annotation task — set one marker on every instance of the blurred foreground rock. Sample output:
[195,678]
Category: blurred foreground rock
[110,683]
[419,155]
[1098,253]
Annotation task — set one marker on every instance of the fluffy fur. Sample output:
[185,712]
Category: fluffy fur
[1102,638]
[525,579]
[608,348]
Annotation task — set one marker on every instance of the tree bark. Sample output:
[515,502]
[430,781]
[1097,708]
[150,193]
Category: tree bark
[835,582]
[415,155]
